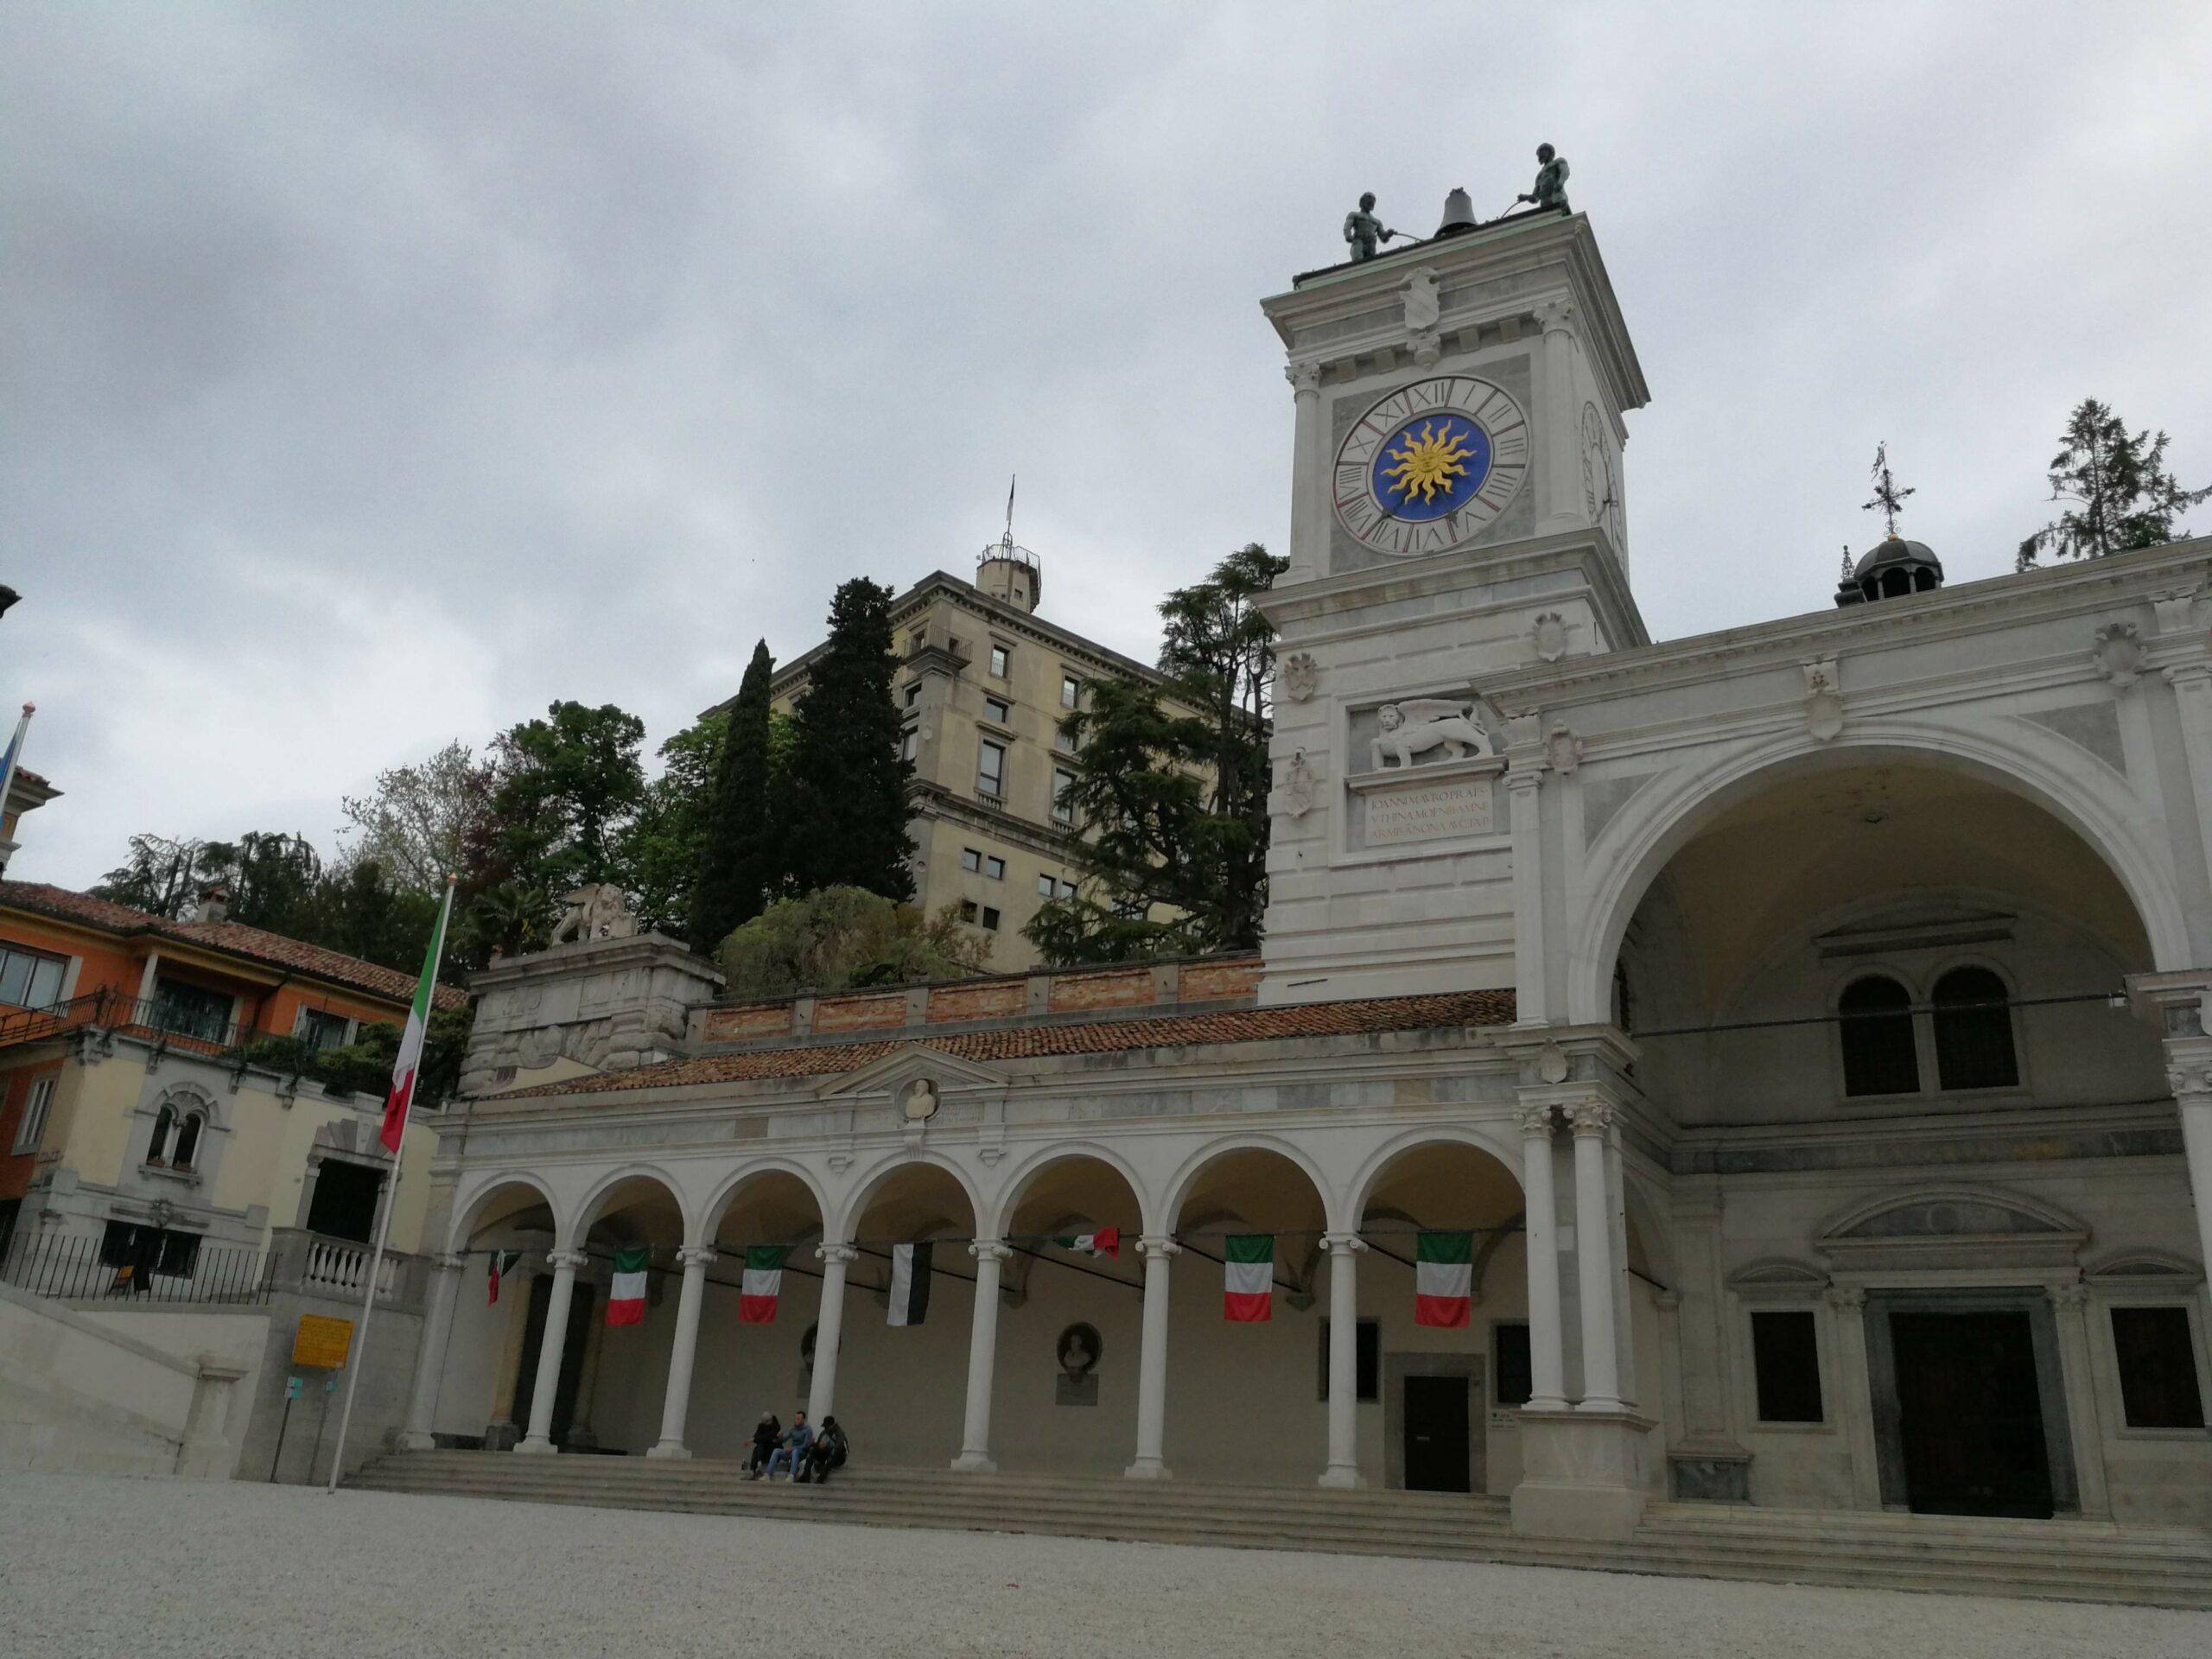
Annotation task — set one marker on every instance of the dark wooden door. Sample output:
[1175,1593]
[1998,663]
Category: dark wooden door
[1436,1434]
[572,1356]
[1970,1414]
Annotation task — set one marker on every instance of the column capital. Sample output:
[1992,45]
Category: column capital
[1343,1243]
[835,1253]
[1556,315]
[569,1258]
[2070,1293]
[1591,1116]
[447,1262]
[1158,1244]
[697,1256]
[1845,1299]
[1524,773]
[988,1249]
[1535,1122]
[1305,378]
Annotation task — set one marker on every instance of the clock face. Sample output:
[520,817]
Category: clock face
[1601,486]
[1431,465]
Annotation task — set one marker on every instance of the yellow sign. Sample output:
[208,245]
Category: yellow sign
[322,1343]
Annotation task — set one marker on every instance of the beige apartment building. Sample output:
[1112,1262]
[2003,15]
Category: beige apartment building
[983,682]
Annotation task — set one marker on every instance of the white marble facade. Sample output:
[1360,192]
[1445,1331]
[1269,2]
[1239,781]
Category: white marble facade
[1690,862]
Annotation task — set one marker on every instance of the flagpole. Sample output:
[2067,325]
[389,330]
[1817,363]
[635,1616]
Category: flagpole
[356,1358]
[8,777]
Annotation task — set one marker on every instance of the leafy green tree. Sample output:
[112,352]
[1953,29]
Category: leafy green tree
[565,791]
[160,874]
[739,866]
[1174,807]
[273,880]
[416,821]
[2116,488]
[357,910]
[844,803]
[661,846]
[839,937]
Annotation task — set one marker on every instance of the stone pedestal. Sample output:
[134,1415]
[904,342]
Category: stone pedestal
[593,1004]
[1716,1471]
[1581,1474]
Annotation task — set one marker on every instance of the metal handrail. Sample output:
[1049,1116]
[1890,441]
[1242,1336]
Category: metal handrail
[81,1269]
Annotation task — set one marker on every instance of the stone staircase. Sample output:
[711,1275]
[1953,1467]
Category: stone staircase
[2073,1559]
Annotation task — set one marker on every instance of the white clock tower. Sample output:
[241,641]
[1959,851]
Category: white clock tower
[1457,515]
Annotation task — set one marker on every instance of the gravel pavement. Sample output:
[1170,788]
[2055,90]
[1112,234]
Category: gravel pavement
[145,1569]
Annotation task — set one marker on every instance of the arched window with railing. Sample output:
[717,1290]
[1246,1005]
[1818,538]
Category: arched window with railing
[1973,1031]
[1875,1025]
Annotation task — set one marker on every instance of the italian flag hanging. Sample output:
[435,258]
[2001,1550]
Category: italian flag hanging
[764,1283]
[410,1061]
[1443,1280]
[625,1300]
[1106,1241]
[1248,1277]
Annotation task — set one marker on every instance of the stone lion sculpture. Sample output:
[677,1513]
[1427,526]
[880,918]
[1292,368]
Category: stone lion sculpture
[1419,724]
[596,911]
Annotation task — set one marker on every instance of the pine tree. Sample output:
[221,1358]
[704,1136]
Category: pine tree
[738,866]
[844,803]
[2122,496]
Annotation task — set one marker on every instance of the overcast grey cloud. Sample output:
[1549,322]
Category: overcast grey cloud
[375,374]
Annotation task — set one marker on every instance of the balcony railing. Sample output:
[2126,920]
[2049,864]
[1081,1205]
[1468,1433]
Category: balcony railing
[157,1267]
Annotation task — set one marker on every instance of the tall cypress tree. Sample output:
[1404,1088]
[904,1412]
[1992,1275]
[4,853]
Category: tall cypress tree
[737,862]
[845,814]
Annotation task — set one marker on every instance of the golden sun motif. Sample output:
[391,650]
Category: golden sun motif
[1427,464]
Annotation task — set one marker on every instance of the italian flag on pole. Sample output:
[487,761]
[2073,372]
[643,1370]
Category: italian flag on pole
[626,1298]
[405,1069]
[1444,1279]
[1248,1277]
[764,1283]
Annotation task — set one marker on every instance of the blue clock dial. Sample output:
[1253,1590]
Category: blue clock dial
[1431,465]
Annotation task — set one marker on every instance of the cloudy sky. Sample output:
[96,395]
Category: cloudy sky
[375,374]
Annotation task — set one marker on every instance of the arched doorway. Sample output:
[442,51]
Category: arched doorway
[754,1353]
[474,1390]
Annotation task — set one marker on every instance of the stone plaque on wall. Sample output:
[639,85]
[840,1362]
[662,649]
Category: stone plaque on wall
[1441,810]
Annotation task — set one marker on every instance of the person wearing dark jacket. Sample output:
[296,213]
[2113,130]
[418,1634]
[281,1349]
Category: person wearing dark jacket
[765,1434]
[828,1451]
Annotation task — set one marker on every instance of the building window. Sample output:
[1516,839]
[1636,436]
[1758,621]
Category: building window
[344,1205]
[318,1029]
[990,770]
[186,1155]
[191,1010]
[1067,889]
[970,859]
[2158,1368]
[1876,1028]
[1973,1031]
[990,920]
[914,694]
[29,980]
[1044,887]
[1071,694]
[967,912]
[1367,1365]
[1510,1355]
[1786,1366]
[1062,807]
[910,742]
[1000,656]
[31,1127]
[996,710]
[157,1145]
[995,868]
[141,1252]
[1063,741]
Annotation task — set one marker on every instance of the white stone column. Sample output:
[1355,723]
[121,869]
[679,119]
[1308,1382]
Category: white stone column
[1525,818]
[1309,518]
[1558,418]
[1343,1359]
[830,1329]
[982,1358]
[2069,1303]
[1159,1254]
[683,1354]
[564,1264]
[1593,1256]
[430,1355]
[1546,1331]
[1857,1410]
[2193,1095]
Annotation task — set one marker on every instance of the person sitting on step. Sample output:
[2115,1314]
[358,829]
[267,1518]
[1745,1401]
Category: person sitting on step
[791,1451]
[766,1434]
[827,1453]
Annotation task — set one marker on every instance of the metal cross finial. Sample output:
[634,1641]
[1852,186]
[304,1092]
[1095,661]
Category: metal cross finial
[1888,498]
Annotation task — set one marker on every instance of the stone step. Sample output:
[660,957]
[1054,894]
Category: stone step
[2083,1561]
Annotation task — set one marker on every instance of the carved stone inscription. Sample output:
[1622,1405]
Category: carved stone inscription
[1429,811]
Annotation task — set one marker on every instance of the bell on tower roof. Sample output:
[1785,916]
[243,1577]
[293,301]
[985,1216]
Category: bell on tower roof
[1010,573]
[1459,213]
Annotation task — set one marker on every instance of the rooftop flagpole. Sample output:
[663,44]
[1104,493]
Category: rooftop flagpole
[8,771]
[404,1071]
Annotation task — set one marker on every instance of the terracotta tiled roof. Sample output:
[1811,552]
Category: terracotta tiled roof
[1073,1037]
[230,938]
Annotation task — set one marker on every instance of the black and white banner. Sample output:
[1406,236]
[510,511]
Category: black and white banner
[910,1283]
